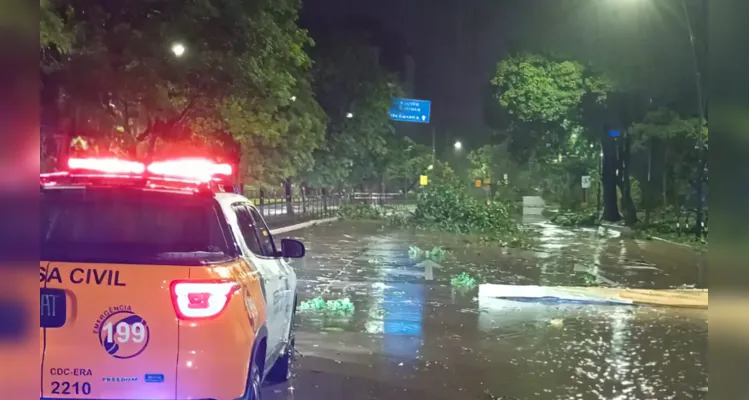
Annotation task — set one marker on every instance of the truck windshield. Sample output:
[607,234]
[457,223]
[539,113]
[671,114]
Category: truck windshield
[131,226]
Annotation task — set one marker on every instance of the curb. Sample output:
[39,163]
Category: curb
[624,230]
[672,242]
[302,225]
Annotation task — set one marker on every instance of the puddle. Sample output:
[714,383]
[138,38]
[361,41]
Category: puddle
[413,332]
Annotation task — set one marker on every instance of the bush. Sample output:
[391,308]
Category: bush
[396,217]
[673,224]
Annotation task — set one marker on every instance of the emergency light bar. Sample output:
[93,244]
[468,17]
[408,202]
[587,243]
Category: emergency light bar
[106,165]
[189,168]
[187,173]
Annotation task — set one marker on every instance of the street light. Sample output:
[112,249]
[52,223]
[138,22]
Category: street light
[349,115]
[458,145]
[178,49]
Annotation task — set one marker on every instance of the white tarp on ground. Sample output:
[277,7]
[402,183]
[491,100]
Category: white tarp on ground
[533,205]
[686,298]
[549,293]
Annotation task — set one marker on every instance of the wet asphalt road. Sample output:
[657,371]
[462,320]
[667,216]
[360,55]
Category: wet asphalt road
[412,336]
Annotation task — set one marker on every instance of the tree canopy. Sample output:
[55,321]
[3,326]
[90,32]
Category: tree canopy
[119,82]
[540,101]
[355,93]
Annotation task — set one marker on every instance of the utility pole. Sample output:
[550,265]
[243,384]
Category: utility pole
[700,127]
[434,147]
[600,180]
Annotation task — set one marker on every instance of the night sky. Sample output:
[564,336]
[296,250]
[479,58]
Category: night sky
[455,45]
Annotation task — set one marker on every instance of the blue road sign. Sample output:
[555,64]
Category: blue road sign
[614,133]
[410,110]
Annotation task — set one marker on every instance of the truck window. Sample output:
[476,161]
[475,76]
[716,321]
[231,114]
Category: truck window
[131,226]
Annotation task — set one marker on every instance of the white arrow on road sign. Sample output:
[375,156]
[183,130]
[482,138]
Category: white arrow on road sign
[423,117]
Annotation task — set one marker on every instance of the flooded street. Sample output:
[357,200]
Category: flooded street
[413,336]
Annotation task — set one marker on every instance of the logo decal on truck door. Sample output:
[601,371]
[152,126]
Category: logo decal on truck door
[122,333]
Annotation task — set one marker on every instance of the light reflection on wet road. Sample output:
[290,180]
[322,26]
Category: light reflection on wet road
[412,338]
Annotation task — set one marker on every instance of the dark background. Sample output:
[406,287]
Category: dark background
[455,45]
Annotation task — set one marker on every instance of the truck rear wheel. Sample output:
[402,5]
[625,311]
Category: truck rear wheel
[281,371]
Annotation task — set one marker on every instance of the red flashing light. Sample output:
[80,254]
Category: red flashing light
[106,165]
[181,173]
[199,169]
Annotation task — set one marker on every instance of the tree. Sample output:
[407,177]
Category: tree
[232,88]
[54,33]
[355,93]
[644,47]
[543,103]
[676,141]
[406,161]
[540,101]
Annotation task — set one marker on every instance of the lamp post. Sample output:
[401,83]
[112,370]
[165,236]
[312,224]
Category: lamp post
[700,123]
[701,111]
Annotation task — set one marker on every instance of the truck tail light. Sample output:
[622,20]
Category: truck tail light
[201,299]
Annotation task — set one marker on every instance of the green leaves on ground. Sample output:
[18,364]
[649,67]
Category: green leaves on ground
[463,281]
[436,254]
[576,219]
[336,306]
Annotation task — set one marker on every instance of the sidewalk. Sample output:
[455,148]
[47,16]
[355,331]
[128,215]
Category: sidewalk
[290,226]
[625,230]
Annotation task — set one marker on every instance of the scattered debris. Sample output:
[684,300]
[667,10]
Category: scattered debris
[380,285]
[436,254]
[463,281]
[337,306]
[556,322]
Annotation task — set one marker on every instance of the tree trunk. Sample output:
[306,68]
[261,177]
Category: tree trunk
[287,190]
[646,193]
[664,182]
[63,149]
[630,211]
[303,189]
[608,176]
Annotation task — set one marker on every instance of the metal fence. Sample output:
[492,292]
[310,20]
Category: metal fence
[278,208]
[392,200]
